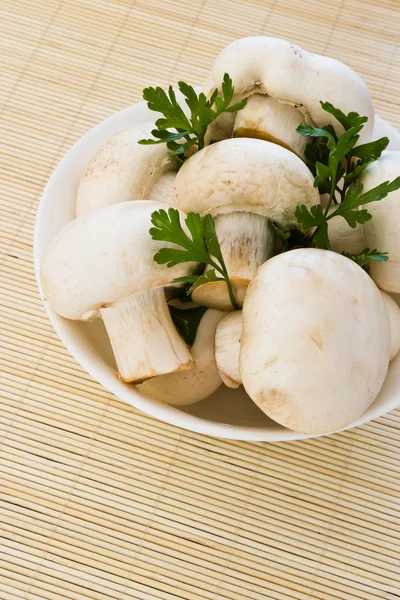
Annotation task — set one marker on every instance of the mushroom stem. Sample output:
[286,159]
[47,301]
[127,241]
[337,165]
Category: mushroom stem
[143,337]
[189,387]
[247,241]
[227,348]
[269,119]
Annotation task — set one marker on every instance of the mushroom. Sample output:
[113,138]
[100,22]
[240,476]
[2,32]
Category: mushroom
[345,238]
[245,184]
[227,348]
[163,189]
[189,387]
[122,170]
[270,119]
[382,231]
[316,340]
[101,264]
[393,311]
[284,85]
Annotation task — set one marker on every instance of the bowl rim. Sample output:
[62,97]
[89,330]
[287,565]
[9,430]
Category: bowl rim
[161,411]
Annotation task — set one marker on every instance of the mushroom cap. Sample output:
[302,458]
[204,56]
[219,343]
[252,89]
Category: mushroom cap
[103,257]
[316,340]
[382,231]
[343,237]
[393,311]
[245,174]
[122,169]
[188,387]
[276,67]
[227,348]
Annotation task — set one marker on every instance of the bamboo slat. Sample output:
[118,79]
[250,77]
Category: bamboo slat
[97,501]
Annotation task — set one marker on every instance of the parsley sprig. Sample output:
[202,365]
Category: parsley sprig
[202,247]
[337,163]
[177,130]
[366,256]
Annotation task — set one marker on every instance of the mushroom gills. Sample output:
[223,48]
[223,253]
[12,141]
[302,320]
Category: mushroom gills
[247,241]
[143,337]
[269,119]
[227,348]
[163,189]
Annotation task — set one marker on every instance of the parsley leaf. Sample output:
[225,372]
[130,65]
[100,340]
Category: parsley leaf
[314,217]
[372,150]
[187,321]
[202,247]
[354,198]
[347,121]
[324,132]
[198,280]
[188,131]
[337,163]
[366,256]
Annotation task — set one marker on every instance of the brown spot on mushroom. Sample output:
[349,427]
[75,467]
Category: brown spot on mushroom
[274,400]
[316,337]
[271,360]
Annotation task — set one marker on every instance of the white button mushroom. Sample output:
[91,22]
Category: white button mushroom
[316,340]
[244,183]
[345,238]
[393,311]
[289,84]
[122,170]
[383,230]
[189,387]
[229,332]
[227,348]
[102,264]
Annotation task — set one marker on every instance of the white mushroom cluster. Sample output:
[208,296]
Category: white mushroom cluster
[226,199]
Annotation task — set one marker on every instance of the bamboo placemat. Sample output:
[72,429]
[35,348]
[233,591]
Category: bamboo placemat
[98,501]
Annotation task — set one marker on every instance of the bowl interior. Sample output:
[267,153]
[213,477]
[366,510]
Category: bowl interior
[227,413]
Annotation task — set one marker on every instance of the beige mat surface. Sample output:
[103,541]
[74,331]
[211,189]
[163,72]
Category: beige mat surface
[98,501]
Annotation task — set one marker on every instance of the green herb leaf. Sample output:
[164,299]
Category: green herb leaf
[187,321]
[310,131]
[354,198]
[355,171]
[168,228]
[372,150]
[309,218]
[337,163]
[344,145]
[202,247]
[322,173]
[347,121]
[314,218]
[206,277]
[366,256]
[187,131]
[379,192]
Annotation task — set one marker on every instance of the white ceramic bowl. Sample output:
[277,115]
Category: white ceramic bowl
[227,413]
